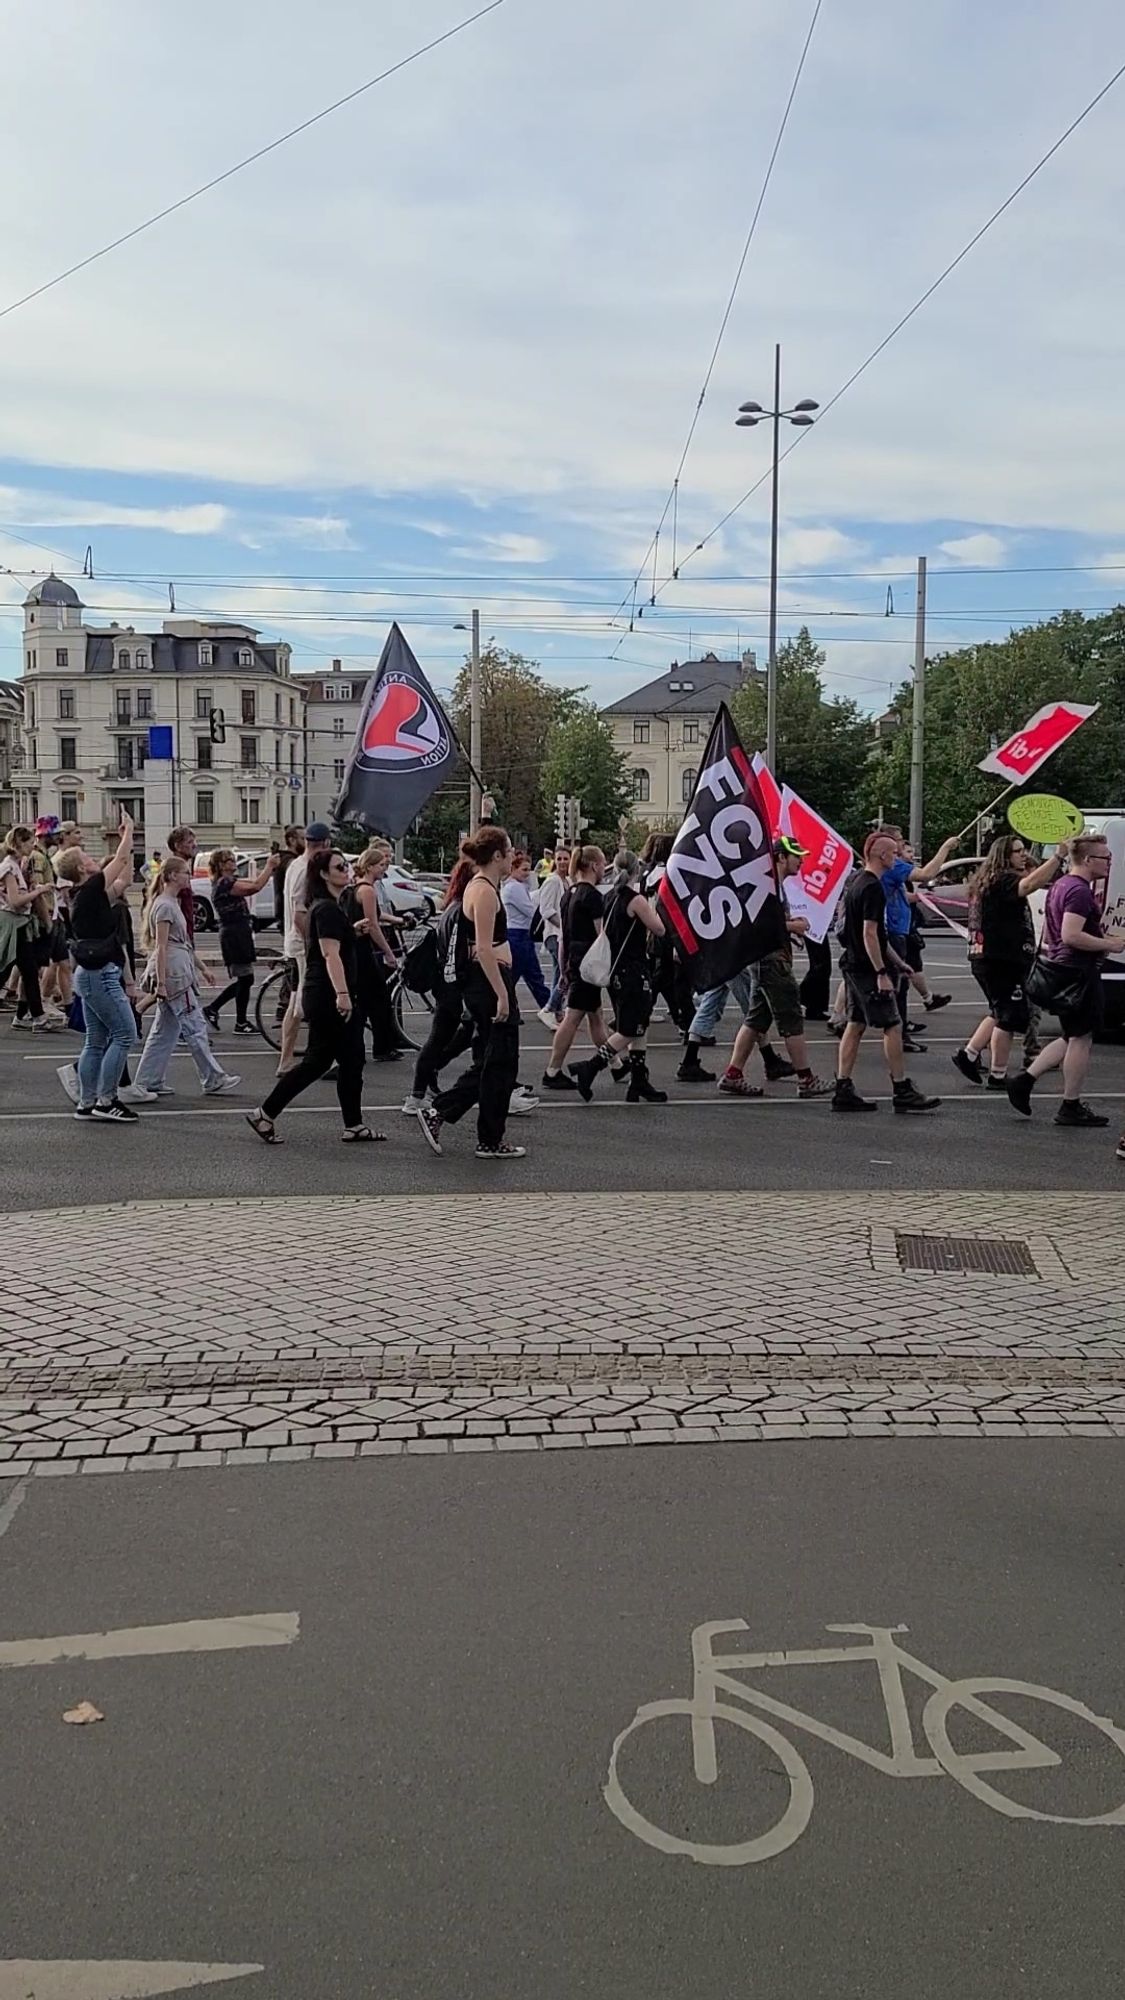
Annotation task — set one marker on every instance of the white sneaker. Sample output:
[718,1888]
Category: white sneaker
[548,1019]
[413,1105]
[522,1102]
[163,1090]
[131,1093]
[68,1077]
[47,1024]
[222,1087]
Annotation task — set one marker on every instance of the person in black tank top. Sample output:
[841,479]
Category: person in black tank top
[490,996]
[632,925]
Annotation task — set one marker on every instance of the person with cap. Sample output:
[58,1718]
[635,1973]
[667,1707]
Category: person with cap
[776,998]
[318,840]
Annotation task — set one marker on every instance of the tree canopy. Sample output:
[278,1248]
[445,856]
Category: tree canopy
[822,741]
[583,763]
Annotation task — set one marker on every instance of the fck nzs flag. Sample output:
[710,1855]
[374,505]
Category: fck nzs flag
[719,895]
[404,746]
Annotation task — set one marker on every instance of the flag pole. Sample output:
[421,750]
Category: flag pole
[985,810]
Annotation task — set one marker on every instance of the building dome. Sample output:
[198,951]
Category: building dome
[53,591]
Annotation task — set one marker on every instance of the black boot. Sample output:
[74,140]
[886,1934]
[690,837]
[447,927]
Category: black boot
[691,1070]
[640,1089]
[775,1066]
[585,1073]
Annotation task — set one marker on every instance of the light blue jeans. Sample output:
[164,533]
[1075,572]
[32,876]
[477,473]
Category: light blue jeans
[709,1010]
[557,997]
[163,1035]
[110,1033]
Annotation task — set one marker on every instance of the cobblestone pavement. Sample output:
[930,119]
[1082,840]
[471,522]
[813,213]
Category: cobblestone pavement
[239,1332]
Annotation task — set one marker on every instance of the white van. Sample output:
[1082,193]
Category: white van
[261,905]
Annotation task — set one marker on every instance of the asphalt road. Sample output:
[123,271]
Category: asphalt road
[407,1802]
[191,1147]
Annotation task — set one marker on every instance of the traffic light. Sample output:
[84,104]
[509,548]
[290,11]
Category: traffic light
[218,723]
[562,818]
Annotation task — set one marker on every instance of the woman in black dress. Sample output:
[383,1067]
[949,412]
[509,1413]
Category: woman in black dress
[583,920]
[330,1004]
[483,972]
[632,924]
[231,898]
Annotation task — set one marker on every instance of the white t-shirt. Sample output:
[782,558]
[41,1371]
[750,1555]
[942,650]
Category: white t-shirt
[797,897]
[293,897]
[12,881]
[550,903]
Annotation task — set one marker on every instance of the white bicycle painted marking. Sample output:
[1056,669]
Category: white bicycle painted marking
[713,1675]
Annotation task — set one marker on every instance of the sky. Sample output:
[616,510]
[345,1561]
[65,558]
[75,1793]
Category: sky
[443,349]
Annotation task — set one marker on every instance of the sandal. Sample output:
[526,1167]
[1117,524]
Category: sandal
[264,1127]
[361,1135]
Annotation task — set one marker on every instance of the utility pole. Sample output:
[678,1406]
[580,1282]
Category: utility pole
[918,734]
[771,671]
[474,726]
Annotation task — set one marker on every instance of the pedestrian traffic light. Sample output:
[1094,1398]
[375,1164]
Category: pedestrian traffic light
[218,724]
[562,817]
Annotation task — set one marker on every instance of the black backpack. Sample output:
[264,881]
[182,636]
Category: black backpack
[437,957]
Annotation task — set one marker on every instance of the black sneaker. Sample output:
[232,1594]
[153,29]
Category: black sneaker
[836,1027]
[846,1097]
[115,1113]
[559,1082]
[1019,1092]
[430,1127]
[969,1066]
[1072,1111]
[243,1028]
[707,1041]
[211,1019]
[83,1110]
[907,1098]
[694,1072]
[502,1152]
[936,1002]
[911,1047]
[776,1067]
[997,1083]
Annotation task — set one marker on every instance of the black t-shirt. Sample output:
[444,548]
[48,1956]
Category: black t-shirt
[328,920]
[93,916]
[627,935]
[582,911]
[236,929]
[865,902]
[1000,923]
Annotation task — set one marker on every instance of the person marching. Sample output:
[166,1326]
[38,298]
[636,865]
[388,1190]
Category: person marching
[583,920]
[1074,948]
[330,1001]
[520,912]
[871,984]
[231,900]
[483,956]
[1001,949]
[175,974]
[776,998]
[551,898]
[630,921]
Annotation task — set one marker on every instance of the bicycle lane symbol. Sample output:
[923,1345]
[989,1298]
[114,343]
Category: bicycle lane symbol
[713,1675]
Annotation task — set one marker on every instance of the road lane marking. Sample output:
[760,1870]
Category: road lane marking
[107,1979]
[712,1102]
[200,1635]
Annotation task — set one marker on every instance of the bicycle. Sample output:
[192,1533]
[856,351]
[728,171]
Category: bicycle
[713,1674]
[274,994]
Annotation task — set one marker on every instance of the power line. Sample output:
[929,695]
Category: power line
[229,173]
[673,495]
[916,307]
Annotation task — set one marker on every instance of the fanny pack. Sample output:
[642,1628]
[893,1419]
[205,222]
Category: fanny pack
[94,954]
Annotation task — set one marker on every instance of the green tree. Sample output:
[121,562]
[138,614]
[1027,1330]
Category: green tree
[581,762]
[821,742]
[519,710]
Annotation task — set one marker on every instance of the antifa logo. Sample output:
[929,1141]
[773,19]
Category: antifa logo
[722,873]
[404,731]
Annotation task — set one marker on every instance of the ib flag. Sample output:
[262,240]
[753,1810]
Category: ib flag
[1019,758]
[719,894]
[404,746]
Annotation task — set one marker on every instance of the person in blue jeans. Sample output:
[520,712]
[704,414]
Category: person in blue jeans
[102,979]
[519,909]
[708,1013]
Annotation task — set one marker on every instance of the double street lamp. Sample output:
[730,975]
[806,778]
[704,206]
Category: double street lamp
[750,414]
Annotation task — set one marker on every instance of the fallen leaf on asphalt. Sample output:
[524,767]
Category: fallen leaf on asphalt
[85,1712]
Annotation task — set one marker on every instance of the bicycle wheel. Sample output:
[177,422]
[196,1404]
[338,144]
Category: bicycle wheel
[738,1854]
[270,1005]
[413,1013]
[961,1768]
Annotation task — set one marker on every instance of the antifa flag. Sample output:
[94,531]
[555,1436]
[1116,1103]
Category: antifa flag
[404,746]
[719,895]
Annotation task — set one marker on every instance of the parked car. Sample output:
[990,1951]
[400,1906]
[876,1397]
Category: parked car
[410,897]
[261,906]
[950,892]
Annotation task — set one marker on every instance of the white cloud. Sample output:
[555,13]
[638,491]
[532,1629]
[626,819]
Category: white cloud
[323,533]
[52,510]
[505,548]
[813,548]
[982,551]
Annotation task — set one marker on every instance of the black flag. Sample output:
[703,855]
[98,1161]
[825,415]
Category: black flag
[404,747]
[719,895]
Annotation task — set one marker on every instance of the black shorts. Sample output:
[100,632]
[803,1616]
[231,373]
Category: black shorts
[911,949]
[868,1007]
[1087,1016]
[581,997]
[1001,982]
[633,998]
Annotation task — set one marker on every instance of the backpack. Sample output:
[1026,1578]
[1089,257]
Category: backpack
[436,960]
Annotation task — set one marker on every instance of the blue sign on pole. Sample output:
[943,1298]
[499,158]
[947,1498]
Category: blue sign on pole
[160,744]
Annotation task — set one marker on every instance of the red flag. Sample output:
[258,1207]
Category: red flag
[1020,757]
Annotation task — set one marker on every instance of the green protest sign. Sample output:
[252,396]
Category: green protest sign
[1041,817]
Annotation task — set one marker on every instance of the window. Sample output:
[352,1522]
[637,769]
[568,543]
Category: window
[68,805]
[245,657]
[641,732]
[31,659]
[141,661]
[123,661]
[33,760]
[249,705]
[687,783]
[62,658]
[292,711]
[126,763]
[691,734]
[292,756]
[338,769]
[31,711]
[203,701]
[640,787]
[250,808]
[205,807]
[277,708]
[248,752]
[206,657]
[124,710]
[204,754]
[346,691]
[68,753]
[66,704]
[339,725]
[144,704]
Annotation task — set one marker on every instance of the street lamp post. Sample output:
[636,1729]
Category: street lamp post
[749,415]
[474,721]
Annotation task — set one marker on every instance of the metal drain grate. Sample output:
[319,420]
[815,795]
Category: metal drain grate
[1001,1256]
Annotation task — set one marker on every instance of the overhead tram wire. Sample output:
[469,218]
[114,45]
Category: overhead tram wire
[922,300]
[251,158]
[672,502]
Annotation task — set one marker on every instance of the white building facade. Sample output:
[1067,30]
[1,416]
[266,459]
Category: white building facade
[92,695]
[333,706]
[661,729]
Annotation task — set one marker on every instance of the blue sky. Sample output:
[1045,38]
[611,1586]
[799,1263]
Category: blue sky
[444,349]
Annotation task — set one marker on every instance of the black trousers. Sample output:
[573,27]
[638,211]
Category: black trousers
[451,1032]
[491,1077]
[376,1009]
[25,957]
[672,984]
[817,982]
[332,1039]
